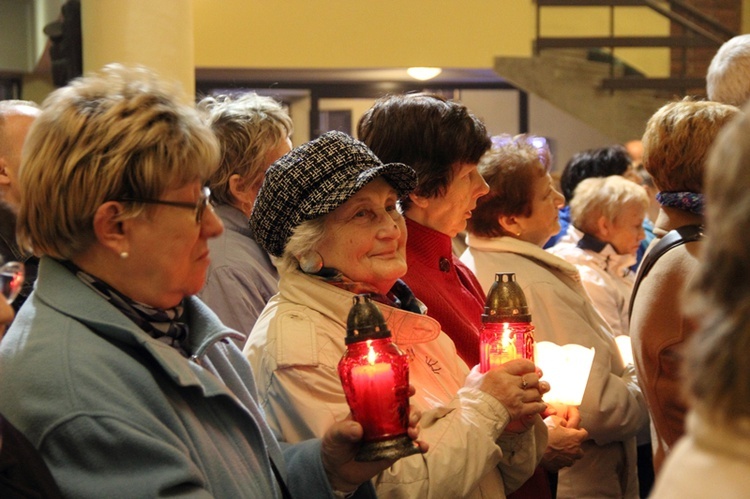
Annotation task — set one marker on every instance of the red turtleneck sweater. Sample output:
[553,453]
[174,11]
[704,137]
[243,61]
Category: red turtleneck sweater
[450,290]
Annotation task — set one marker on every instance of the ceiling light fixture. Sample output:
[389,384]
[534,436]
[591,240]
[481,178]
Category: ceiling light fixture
[423,74]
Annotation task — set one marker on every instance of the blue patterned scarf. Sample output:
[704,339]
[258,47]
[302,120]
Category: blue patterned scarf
[166,326]
[685,201]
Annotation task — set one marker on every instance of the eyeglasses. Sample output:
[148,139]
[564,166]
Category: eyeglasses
[199,207]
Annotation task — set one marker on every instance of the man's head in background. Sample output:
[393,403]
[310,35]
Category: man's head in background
[16,117]
[728,76]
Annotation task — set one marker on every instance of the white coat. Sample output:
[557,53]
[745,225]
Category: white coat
[613,409]
[607,278]
[295,348]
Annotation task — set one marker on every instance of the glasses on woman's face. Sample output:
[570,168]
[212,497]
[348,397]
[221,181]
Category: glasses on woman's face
[11,280]
[199,207]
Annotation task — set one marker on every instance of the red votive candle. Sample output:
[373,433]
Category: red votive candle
[375,376]
[507,332]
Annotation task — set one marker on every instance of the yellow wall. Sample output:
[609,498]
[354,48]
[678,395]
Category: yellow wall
[36,88]
[267,34]
[399,33]
[628,21]
[360,34]
[153,33]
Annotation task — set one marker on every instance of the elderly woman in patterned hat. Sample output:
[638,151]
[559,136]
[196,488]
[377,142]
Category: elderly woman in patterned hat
[328,211]
[124,381]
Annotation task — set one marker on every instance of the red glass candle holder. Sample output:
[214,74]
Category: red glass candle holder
[375,377]
[507,332]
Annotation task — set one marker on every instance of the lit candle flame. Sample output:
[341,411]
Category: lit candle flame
[372,357]
[507,335]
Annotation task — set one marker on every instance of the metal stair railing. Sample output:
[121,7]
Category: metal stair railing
[704,19]
[701,31]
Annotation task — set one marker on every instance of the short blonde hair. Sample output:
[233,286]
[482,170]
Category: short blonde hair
[248,128]
[120,133]
[677,139]
[603,197]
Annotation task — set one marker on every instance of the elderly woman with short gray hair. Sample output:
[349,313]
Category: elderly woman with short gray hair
[253,132]
[609,212]
[329,211]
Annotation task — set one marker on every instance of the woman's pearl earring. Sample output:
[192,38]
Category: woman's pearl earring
[311,262]
[124,255]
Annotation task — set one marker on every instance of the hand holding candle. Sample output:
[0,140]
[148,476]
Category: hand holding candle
[507,337]
[515,384]
[567,368]
[565,438]
[340,446]
[375,378]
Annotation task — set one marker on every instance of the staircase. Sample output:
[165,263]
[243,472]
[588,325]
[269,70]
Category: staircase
[567,79]
[580,76]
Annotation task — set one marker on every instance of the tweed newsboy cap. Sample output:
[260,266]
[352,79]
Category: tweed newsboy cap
[315,179]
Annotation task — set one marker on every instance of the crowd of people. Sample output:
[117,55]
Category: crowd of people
[189,275]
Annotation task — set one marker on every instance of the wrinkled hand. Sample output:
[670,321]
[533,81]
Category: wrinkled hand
[516,385]
[565,438]
[569,413]
[340,445]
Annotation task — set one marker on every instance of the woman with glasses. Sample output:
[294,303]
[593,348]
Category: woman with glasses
[123,380]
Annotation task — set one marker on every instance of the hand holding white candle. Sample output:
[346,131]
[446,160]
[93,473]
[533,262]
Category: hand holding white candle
[567,370]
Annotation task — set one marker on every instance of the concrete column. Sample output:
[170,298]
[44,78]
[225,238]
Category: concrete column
[154,33]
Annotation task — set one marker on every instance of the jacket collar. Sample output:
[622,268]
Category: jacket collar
[427,245]
[234,219]
[605,256]
[58,288]
[334,303]
[589,242]
[528,250]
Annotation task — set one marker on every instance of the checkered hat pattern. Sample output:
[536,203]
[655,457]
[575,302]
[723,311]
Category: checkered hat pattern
[315,179]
